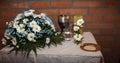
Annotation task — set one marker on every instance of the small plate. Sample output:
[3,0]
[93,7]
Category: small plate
[91,47]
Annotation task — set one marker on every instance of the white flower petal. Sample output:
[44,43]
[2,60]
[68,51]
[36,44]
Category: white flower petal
[76,28]
[15,24]
[78,37]
[43,15]
[14,41]
[25,20]
[31,36]
[47,40]
[4,41]
[33,23]
[80,22]
[20,29]
[36,28]
[29,12]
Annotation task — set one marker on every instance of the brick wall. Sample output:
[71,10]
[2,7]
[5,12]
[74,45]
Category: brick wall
[102,18]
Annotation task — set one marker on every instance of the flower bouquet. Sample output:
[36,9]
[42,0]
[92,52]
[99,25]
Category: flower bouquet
[29,31]
[78,24]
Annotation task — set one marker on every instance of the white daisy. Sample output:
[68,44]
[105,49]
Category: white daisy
[29,12]
[22,25]
[20,29]
[43,15]
[47,22]
[33,23]
[25,20]
[53,27]
[18,17]
[6,35]
[78,37]
[35,16]
[14,41]
[36,28]
[4,41]
[47,40]
[76,28]
[15,24]
[80,22]
[24,33]
[31,36]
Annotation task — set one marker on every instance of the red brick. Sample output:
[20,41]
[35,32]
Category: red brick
[98,26]
[112,3]
[117,25]
[73,11]
[106,44]
[117,49]
[87,4]
[4,5]
[19,5]
[9,13]
[4,1]
[93,31]
[54,18]
[50,11]
[116,44]
[104,11]
[112,18]
[2,32]
[5,19]
[111,32]
[40,5]
[107,50]
[104,38]
[92,18]
[117,38]
[61,4]
[3,26]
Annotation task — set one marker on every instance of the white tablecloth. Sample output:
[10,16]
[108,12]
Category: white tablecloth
[68,52]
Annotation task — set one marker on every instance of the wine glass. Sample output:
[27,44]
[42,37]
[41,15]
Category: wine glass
[63,21]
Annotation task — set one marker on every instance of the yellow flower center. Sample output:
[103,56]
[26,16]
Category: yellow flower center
[31,36]
[77,36]
[36,28]
[32,23]
[21,28]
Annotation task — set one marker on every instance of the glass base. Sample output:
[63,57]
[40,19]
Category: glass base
[67,35]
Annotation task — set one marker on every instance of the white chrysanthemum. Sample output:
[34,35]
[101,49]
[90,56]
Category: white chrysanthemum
[10,24]
[25,20]
[47,22]
[53,27]
[24,33]
[14,41]
[6,35]
[18,17]
[43,15]
[80,22]
[29,12]
[7,23]
[22,25]
[35,16]
[47,40]
[33,23]
[15,24]
[76,28]
[31,36]
[78,37]
[36,28]
[20,29]
[4,41]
